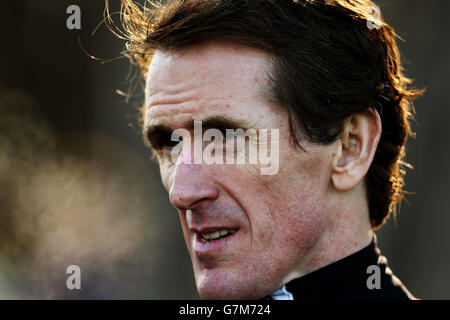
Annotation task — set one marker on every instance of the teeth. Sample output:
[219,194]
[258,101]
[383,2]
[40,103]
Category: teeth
[216,235]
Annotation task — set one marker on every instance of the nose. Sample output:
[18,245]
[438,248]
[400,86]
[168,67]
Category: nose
[191,186]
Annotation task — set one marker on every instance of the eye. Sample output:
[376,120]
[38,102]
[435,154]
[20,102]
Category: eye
[163,140]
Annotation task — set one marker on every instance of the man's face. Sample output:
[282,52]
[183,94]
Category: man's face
[273,221]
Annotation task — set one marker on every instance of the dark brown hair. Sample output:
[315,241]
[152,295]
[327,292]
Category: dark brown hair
[331,59]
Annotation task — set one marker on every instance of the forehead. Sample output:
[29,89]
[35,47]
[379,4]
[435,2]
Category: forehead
[204,78]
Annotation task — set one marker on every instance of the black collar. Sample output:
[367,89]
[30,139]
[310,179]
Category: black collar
[351,278]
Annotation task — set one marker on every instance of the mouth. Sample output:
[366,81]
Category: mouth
[213,240]
[216,235]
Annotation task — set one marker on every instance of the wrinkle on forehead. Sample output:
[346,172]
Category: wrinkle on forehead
[176,117]
[207,71]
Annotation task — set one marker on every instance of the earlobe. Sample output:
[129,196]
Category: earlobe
[341,170]
[355,149]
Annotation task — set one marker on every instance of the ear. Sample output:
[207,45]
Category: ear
[355,149]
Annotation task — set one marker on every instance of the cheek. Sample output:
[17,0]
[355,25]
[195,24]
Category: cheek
[300,222]
[295,219]
[185,229]
[294,202]
[166,171]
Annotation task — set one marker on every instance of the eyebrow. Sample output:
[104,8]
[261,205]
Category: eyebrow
[219,122]
[152,132]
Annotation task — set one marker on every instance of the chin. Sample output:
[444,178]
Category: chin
[219,286]
[216,293]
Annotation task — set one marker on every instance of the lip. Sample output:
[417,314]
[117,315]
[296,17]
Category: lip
[210,247]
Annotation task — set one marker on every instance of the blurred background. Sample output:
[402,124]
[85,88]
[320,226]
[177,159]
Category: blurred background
[77,185]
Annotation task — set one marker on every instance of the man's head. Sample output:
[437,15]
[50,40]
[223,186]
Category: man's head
[311,69]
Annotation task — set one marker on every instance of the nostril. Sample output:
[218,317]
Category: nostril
[198,203]
[189,197]
[191,185]
[188,204]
